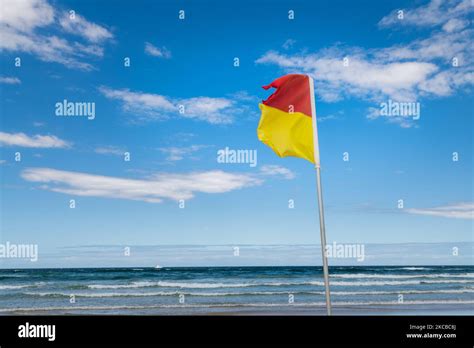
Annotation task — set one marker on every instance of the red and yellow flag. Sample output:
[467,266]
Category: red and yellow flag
[286,123]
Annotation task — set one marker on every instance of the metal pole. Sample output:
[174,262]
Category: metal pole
[322,230]
[322,227]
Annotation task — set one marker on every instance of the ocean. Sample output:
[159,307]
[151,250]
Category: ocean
[238,290]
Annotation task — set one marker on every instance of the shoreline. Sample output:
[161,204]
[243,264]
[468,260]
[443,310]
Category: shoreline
[384,310]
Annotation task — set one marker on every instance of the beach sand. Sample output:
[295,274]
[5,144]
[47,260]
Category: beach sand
[414,310]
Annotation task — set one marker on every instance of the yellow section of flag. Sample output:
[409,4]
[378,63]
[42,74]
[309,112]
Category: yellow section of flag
[288,134]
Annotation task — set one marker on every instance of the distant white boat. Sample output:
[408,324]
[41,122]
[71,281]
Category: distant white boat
[158,267]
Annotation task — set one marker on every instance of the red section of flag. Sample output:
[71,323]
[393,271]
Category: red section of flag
[292,94]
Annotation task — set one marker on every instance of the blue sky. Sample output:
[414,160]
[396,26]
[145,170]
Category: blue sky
[190,62]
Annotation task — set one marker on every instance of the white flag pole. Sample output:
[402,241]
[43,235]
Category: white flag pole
[322,227]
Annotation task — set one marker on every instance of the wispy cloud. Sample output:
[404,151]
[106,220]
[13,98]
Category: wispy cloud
[179,153]
[152,189]
[272,170]
[373,113]
[36,141]
[10,80]
[147,103]
[288,44]
[78,25]
[23,26]
[334,116]
[403,72]
[161,52]
[434,13]
[148,106]
[457,211]
[327,118]
[110,150]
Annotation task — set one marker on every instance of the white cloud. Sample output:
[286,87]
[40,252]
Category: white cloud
[24,15]
[434,13]
[82,27]
[402,72]
[212,110]
[273,170]
[156,51]
[152,189]
[145,102]
[457,211]
[440,47]
[110,150]
[36,141]
[455,24]
[363,77]
[10,80]
[147,106]
[446,82]
[178,153]
[22,29]
[49,48]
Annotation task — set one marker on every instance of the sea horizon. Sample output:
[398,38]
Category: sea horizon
[234,266]
[241,255]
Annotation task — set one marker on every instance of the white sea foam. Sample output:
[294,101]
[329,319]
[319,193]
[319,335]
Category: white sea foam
[394,282]
[145,284]
[160,293]
[441,291]
[12,287]
[402,276]
[184,285]
[250,293]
